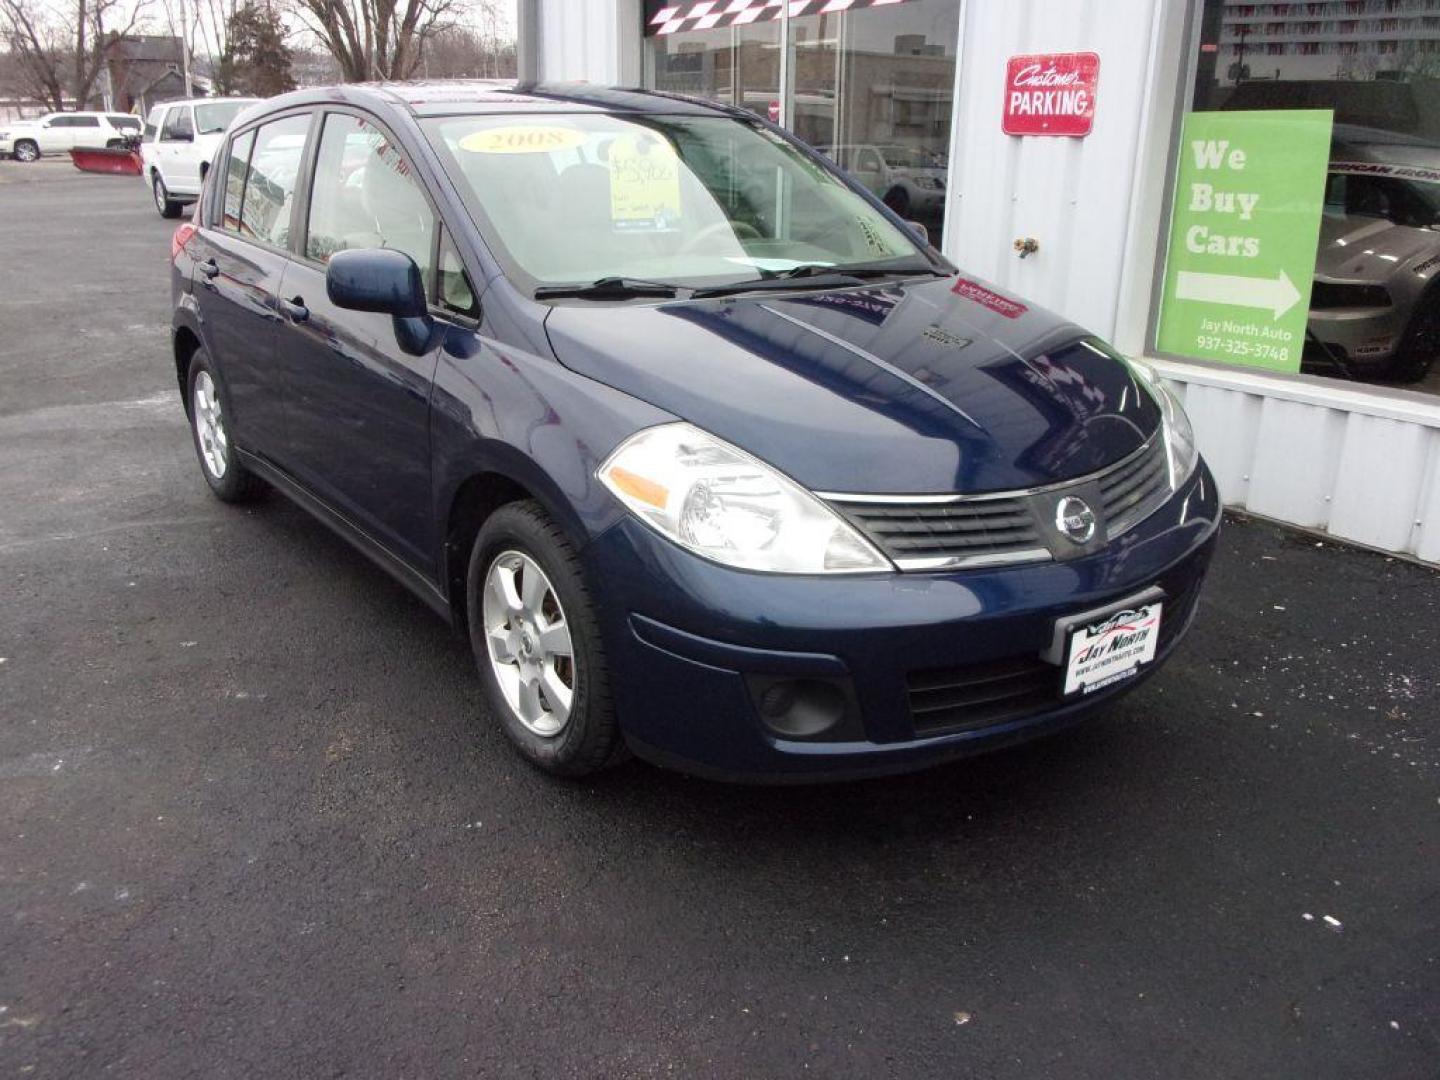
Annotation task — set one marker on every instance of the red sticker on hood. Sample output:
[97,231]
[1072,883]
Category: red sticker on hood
[1001,305]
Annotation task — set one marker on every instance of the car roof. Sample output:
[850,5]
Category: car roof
[456,97]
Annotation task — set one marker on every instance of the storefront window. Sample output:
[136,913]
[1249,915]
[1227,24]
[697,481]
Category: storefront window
[871,85]
[1334,113]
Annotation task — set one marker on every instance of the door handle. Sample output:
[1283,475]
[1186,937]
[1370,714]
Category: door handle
[210,268]
[295,309]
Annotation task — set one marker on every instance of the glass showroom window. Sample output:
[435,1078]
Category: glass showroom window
[871,85]
[1305,226]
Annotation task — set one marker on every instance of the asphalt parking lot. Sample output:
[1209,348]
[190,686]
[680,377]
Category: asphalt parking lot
[255,822]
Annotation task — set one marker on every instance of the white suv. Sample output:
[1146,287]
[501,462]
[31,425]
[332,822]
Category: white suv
[180,141]
[57,133]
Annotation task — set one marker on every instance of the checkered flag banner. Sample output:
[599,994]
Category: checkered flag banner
[709,14]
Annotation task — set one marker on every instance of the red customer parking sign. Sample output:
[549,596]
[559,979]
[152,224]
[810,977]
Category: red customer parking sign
[1051,94]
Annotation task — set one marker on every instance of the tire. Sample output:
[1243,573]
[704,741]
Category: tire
[515,540]
[167,206]
[1419,346]
[26,150]
[229,480]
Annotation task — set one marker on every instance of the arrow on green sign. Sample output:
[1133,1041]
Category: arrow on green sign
[1270,294]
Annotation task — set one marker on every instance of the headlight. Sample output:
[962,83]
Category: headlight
[1180,449]
[720,502]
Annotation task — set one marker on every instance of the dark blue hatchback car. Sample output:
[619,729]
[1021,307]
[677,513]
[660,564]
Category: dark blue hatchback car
[711,456]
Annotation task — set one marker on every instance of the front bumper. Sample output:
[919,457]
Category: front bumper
[1364,336]
[693,645]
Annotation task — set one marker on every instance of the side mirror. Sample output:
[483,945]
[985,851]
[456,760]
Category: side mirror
[387,282]
[920,231]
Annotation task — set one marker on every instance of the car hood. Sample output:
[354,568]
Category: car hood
[1369,248]
[934,386]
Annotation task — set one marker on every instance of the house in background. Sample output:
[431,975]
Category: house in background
[145,70]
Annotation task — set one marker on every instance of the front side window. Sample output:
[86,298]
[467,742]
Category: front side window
[179,125]
[682,199]
[365,196]
[270,180]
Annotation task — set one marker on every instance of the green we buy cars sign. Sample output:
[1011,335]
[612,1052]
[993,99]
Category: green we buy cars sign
[1248,198]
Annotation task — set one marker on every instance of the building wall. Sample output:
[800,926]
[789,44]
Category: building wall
[589,40]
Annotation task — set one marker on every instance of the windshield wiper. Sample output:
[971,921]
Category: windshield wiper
[608,288]
[820,275]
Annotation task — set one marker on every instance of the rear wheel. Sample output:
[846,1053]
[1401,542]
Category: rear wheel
[537,643]
[167,206]
[227,477]
[27,150]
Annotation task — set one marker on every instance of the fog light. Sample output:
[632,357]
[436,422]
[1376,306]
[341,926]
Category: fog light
[802,708]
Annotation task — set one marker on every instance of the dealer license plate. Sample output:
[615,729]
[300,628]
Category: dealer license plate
[1112,649]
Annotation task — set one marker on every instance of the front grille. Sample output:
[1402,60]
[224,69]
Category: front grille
[942,532]
[967,533]
[1136,487]
[1329,295]
[969,696]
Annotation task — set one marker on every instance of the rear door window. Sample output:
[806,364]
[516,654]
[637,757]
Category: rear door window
[270,181]
[125,123]
[85,121]
[236,166]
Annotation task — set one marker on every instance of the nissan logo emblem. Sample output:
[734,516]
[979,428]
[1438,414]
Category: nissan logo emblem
[1075,519]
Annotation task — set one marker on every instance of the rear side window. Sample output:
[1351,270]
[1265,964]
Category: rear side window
[365,197]
[178,125]
[270,180]
[238,163]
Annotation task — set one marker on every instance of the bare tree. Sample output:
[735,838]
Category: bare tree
[60,50]
[377,39]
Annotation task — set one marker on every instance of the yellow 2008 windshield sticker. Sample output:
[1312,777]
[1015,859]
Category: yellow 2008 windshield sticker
[522,139]
[644,183]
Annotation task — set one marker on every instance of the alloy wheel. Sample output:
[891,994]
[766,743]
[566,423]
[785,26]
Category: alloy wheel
[527,638]
[26,152]
[210,426]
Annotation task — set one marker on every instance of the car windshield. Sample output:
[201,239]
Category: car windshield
[1406,195]
[684,200]
[216,115]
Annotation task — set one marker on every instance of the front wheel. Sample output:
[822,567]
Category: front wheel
[537,643]
[1419,346]
[167,206]
[27,150]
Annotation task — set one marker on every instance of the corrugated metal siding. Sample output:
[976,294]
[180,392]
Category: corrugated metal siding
[595,41]
[1343,468]
[1072,195]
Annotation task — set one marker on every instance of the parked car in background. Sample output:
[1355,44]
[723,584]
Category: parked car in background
[707,454]
[178,145]
[59,133]
[909,181]
[1375,304]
